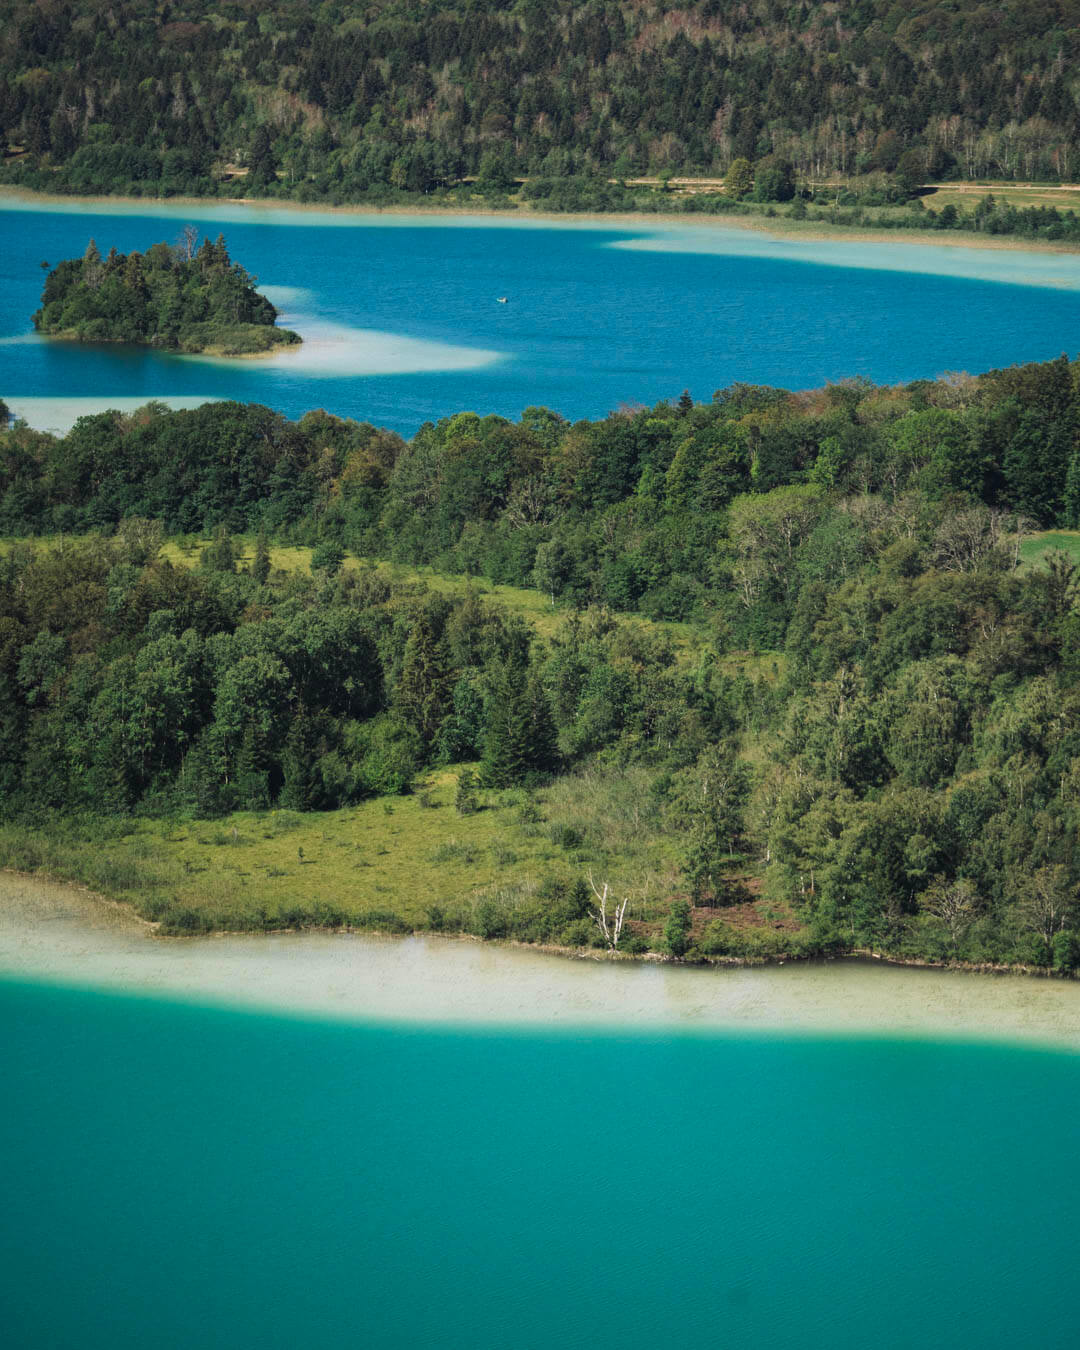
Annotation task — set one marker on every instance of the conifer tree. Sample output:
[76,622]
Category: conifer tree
[92,268]
[252,778]
[262,169]
[260,567]
[220,555]
[739,178]
[677,929]
[506,739]
[543,747]
[299,791]
[1071,511]
[466,801]
[424,690]
[713,820]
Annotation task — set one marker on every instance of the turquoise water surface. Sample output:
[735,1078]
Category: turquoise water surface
[178,1177]
[402,322]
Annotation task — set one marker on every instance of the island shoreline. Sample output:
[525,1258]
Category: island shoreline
[168,299]
[70,339]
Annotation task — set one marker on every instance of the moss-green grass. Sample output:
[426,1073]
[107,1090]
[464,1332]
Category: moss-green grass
[402,864]
[385,859]
[1036,546]
[965,195]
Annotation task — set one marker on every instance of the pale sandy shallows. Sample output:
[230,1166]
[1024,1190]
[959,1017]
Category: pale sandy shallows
[55,933]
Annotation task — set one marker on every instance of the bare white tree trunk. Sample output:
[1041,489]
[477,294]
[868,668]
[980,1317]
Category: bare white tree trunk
[611,929]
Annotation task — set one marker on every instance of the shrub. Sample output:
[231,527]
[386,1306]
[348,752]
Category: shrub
[489,922]
[677,929]
[578,934]
[382,921]
[327,558]
[568,837]
[719,939]
[187,922]
[466,797]
[1066,952]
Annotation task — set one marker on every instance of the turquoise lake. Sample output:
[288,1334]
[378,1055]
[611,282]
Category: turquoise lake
[402,320]
[176,1176]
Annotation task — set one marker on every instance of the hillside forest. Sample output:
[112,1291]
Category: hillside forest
[792,637]
[336,102]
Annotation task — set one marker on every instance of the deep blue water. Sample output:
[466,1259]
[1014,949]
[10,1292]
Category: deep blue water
[177,1177]
[587,327]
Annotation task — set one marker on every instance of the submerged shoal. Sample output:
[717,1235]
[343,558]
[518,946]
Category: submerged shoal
[776,227]
[58,933]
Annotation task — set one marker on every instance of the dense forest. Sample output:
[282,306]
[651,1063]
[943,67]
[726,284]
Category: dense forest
[626,511]
[180,299]
[344,102]
[902,771]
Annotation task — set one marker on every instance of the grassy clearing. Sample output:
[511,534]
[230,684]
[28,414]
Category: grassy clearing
[532,606]
[964,195]
[1036,546]
[406,864]
[386,863]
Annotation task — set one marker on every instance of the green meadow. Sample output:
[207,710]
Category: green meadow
[1036,547]
[508,869]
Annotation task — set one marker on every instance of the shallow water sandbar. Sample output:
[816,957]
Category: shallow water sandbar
[60,934]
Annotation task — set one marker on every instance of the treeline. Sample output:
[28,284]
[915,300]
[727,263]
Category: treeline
[987,216]
[903,772]
[339,103]
[179,299]
[647,510]
[858,205]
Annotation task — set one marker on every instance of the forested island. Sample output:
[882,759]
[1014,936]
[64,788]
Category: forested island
[843,111]
[791,673]
[179,298]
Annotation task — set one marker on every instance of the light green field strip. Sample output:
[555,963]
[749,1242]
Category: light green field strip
[1037,546]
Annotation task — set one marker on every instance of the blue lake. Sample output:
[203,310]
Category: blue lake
[402,320]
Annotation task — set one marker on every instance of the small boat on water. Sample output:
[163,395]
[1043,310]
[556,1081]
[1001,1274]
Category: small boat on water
[502,300]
